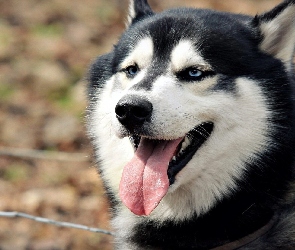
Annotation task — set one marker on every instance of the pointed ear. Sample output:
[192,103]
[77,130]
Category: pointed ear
[138,9]
[277,29]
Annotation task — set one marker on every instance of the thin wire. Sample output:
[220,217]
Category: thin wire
[54,222]
[43,154]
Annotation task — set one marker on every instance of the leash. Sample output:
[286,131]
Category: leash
[249,238]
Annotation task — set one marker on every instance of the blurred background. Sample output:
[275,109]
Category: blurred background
[45,50]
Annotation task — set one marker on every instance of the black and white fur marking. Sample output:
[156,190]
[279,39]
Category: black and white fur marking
[227,77]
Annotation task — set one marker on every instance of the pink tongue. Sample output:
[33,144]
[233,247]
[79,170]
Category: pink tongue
[144,180]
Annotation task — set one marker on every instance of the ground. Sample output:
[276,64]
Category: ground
[45,50]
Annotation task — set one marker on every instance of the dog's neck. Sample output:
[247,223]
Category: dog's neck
[236,221]
[248,238]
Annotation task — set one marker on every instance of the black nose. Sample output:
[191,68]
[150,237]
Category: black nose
[133,111]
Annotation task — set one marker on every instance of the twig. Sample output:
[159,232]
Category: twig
[43,154]
[54,222]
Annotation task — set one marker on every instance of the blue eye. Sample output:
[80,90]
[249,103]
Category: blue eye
[132,70]
[194,73]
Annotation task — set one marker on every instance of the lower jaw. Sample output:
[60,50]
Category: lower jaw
[175,166]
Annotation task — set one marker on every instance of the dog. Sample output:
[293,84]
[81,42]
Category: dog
[192,120]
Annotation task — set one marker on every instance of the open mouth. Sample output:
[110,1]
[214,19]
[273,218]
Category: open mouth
[186,149]
[147,176]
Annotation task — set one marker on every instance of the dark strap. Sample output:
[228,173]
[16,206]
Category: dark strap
[247,239]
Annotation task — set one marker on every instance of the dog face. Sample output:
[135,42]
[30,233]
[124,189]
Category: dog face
[184,104]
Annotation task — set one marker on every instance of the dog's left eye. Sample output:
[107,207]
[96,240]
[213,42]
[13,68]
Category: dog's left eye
[193,74]
[131,70]
[190,74]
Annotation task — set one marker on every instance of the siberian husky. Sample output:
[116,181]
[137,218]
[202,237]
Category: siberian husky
[192,119]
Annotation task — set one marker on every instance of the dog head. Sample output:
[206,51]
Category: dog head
[188,103]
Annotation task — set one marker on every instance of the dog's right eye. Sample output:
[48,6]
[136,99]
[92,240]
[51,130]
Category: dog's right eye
[131,70]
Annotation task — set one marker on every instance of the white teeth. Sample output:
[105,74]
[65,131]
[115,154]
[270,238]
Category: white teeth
[184,145]
[174,158]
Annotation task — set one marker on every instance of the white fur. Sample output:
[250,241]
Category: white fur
[131,12]
[114,153]
[240,132]
[125,219]
[141,55]
[184,55]
[279,36]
